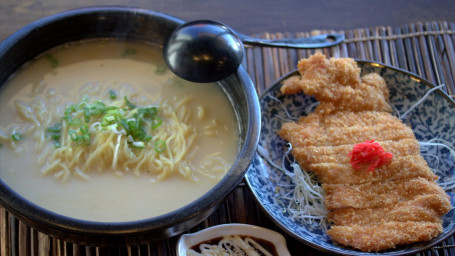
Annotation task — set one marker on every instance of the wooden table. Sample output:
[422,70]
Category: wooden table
[415,35]
[253,16]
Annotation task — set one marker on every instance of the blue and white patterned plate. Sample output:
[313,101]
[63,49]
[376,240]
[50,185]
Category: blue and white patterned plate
[433,118]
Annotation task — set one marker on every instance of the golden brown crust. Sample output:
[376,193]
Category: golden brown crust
[407,167]
[422,208]
[337,84]
[344,128]
[398,203]
[336,136]
[383,236]
[340,154]
[377,194]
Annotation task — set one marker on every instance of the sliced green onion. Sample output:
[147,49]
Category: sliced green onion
[112,127]
[148,112]
[87,114]
[55,136]
[71,109]
[160,69]
[97,108]
[138,144]
[160,146]
[128,52]
[113,112]
[80,140]
[82,105]
[52,60]
[85,99]
[125,126]
[84,129]
[111,108]
[75,121]
[57,127]
[132,126]
[129,104]
[68,111]
[112,94]
[107,120]
[67,116]
[131,120]
[156,122]
[17,136]
[83,139]
[72,134]
[57,144]
[54,132]
[86,138]
[136,129]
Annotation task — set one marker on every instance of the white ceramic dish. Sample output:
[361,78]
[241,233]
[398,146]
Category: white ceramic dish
[187,241]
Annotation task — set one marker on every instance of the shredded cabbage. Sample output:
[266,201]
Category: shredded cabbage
[305,200]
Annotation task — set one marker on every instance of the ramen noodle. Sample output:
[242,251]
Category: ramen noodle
[234,245]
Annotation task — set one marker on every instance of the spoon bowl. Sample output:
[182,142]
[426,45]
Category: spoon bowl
[203,51]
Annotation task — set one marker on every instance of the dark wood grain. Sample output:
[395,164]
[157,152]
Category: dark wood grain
[253,16]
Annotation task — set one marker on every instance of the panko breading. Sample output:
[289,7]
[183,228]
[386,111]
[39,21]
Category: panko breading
[407,167]
[329,154]
[399,202]
[422,208]
[337,83]
[386,235]
[334,136]
[378,194]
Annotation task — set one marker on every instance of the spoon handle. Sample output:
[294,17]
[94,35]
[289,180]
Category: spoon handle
[318,41]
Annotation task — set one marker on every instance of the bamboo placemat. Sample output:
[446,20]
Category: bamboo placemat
[426,49]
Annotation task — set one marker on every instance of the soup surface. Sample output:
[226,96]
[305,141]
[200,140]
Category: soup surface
[102,184]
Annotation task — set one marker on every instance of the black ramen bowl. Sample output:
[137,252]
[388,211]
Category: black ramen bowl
[137,25]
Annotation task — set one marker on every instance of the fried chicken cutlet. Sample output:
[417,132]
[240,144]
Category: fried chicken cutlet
[399,202]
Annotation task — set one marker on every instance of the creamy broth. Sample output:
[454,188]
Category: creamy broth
[112,195]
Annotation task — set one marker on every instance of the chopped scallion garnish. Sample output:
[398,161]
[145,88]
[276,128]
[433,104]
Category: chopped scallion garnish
[54,132]
[160,69]
[74,121]
[138,144]
[87,114]
[132,121]
[55,136]
[128,52]
[112,95]
[56,128]
[129,104]
[57,144]
[97,108]
[84,129]
[81,139]
[72,134]
[148,112]
[52,60]
[160,146]
[125,126]
[156,122]
[17,136]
